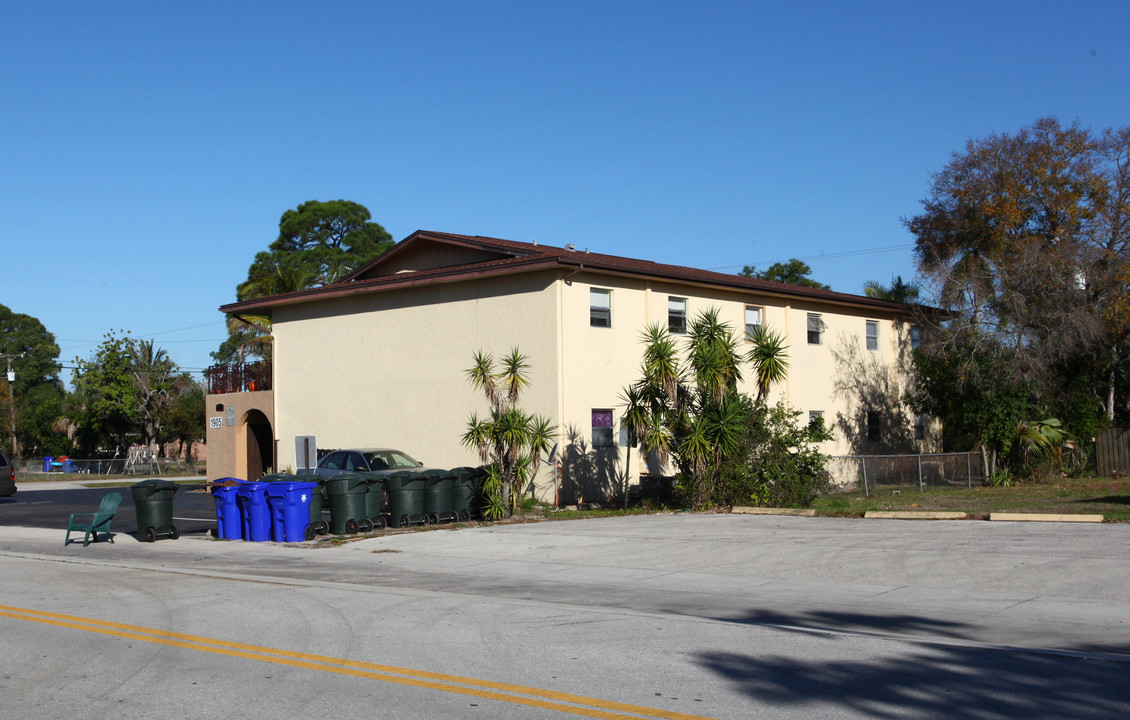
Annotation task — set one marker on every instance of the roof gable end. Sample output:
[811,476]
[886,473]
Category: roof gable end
[422,251]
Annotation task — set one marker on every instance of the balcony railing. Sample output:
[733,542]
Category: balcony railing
[238,377]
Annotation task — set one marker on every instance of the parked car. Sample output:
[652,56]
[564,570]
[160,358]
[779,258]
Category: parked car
[7,475]
[365,460]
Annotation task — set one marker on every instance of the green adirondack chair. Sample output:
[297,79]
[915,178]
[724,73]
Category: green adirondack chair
[98,521]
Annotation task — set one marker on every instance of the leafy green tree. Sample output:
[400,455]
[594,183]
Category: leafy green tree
[691,411]
[183,420]
[153,374]
[780,465]
[318,243]
[1025,240]
[898,291]
[509,440]
[328,239]
[793,272]
[37,389]
[977,394]
[106,412]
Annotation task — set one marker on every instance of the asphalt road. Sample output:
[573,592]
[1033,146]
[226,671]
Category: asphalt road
[47,507]
[673,616]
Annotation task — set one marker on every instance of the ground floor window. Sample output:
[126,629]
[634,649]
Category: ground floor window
[602,428]
[873,428]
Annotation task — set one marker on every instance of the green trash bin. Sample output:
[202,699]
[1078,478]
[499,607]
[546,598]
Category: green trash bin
[405,498]
[463,491]
[318,524]
[438,487]
[376,503]
[347,502]
[153,504]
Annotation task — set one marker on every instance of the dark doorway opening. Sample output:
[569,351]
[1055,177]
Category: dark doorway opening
[260,445]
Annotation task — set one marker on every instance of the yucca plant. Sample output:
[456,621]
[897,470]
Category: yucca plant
[509,440]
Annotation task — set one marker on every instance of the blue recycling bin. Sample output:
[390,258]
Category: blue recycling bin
[290,510]
[229,526]
[47,462]
[254,515]
[69,466]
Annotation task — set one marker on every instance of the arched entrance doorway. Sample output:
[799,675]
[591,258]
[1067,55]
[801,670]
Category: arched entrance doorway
[260,445]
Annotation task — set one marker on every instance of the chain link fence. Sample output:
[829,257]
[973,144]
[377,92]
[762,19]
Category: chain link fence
[149,467]
[870,472]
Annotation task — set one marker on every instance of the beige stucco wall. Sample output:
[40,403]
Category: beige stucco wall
[227,444]
[838,377]
[388,369]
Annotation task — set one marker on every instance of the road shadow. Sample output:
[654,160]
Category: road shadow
[925,679]
[807,622]
[938,682]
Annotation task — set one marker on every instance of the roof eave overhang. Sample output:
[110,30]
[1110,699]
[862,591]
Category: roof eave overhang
[535,262]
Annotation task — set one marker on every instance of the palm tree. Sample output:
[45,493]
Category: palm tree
[770,359]
[509,440]
[691,409]
[255,330]
[152,375]
[898,291]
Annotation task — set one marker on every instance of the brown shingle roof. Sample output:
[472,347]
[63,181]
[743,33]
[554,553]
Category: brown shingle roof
[511,257]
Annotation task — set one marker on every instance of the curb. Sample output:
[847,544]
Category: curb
[915,515]
[808,512]
[1044,517]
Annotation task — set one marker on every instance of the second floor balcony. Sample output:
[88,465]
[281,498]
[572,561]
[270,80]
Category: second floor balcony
[238,377]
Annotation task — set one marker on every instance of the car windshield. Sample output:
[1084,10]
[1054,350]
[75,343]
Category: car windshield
[390,460]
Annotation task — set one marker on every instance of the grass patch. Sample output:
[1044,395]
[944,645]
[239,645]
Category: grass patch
[1109,497]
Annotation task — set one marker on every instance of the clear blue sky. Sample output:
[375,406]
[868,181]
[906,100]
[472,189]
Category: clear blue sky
[148,149]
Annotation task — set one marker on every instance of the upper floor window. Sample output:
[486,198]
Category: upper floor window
[919,427]
[677,314]
[815,418]
[915,337]
[752,320]
[602,428]
[600,307]
[815,328]
[872,335]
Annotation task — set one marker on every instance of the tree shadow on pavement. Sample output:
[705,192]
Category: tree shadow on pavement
[924,679]
[830,621]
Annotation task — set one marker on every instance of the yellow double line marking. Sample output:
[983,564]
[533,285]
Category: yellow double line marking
[486,689]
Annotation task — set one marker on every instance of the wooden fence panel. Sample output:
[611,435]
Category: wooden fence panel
[1112,451]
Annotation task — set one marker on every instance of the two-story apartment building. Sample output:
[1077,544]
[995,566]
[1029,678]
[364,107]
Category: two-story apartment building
[379,359]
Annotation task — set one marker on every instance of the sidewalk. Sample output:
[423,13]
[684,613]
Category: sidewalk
[77,481]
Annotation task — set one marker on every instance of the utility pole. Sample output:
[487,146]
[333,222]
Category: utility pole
[12,399]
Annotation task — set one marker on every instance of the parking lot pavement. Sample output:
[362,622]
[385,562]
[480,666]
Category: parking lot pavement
[1045,587]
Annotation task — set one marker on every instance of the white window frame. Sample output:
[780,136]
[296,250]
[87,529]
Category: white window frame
[919,427]
[872,338]
[600,313]
[676,307]
[610,440]
[915,336]
[820,328]
[760,311]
